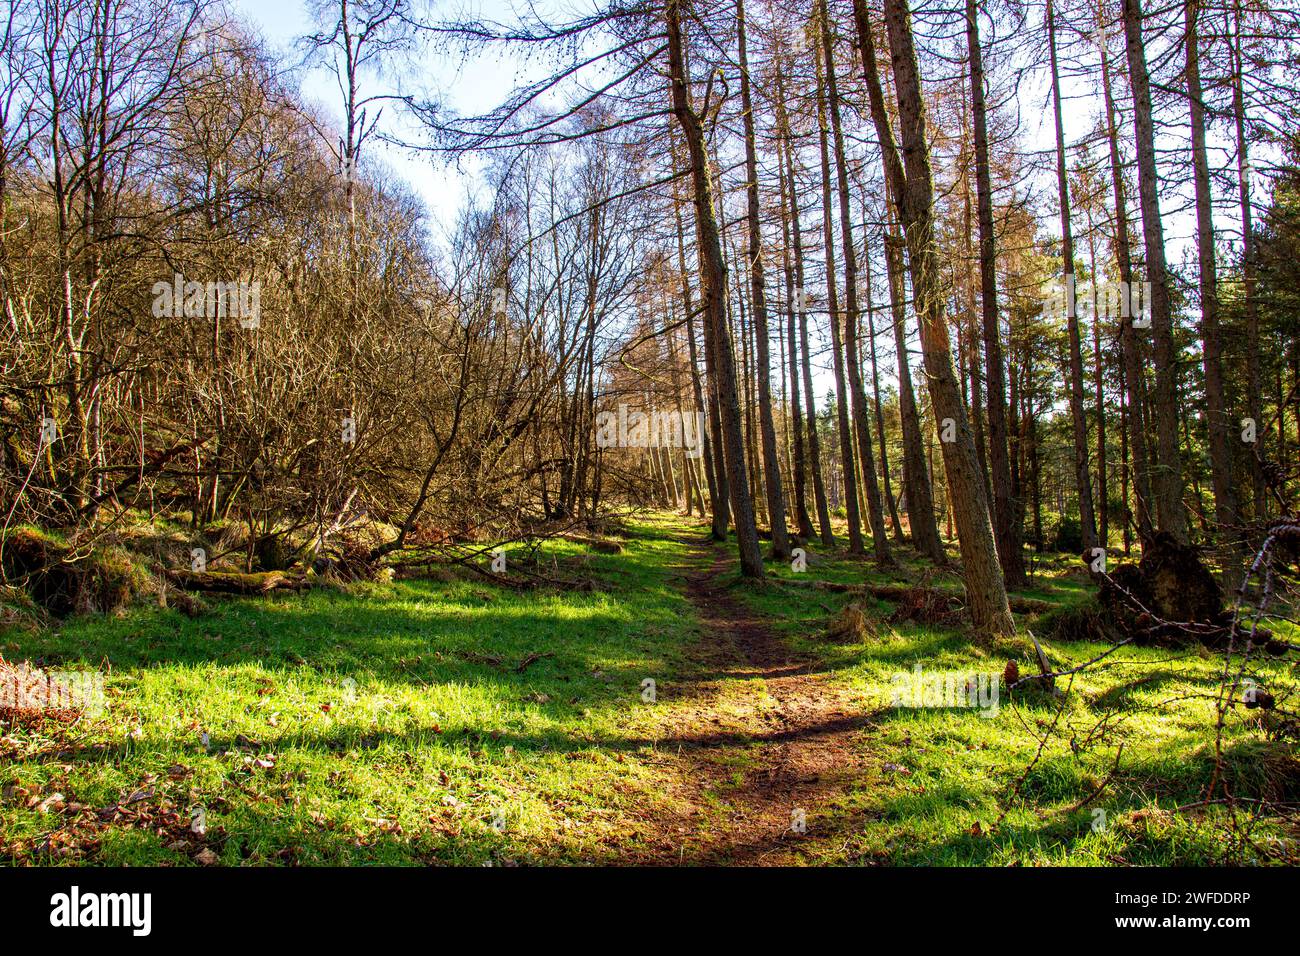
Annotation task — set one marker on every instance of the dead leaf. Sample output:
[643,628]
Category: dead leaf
[53,802]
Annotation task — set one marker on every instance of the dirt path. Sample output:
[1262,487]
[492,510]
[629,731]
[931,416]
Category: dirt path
[767,742]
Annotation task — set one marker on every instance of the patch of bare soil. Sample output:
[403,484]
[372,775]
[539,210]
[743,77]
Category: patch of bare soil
[767,746]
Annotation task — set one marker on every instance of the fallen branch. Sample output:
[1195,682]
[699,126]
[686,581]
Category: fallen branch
[492,660]
[1050,675]
[235,582]
[532,658]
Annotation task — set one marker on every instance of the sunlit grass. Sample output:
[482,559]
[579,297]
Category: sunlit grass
[942,777]
[393,724]
[392,732]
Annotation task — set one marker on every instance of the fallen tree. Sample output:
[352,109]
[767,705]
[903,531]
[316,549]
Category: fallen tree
[236,582]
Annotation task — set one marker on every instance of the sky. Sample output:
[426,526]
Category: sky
[480,84]
[475,86]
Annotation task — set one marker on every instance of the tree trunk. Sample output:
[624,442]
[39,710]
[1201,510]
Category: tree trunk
[875,394]
[861,420]
[916,479]
[985,591]
[1006,531]
[1254,379]
[833,313]
[712,454]
[1134,377]
[800,305]
[1167,483]
[771,463]
[1103,496]
[799,465]
[1082,473]
[714,290]
[1216,414]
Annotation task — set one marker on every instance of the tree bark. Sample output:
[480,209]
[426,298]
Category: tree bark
[1005,528]
[1167,480]
[714,290]
[985,590]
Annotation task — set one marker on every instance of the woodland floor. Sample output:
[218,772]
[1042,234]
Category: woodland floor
[764,737]
[454,721]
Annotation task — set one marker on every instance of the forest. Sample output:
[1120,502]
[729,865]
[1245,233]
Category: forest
[650,432]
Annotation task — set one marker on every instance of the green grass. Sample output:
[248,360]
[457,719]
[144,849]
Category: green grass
[390,734]
[374,726]
[960,768]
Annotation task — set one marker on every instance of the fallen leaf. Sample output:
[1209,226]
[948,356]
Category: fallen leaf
[53,802]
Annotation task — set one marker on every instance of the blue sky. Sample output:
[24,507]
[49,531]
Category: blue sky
[480,84]
[474,86]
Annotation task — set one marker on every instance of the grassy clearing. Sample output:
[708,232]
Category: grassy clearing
[375,726]
[943,775]
[391,724]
